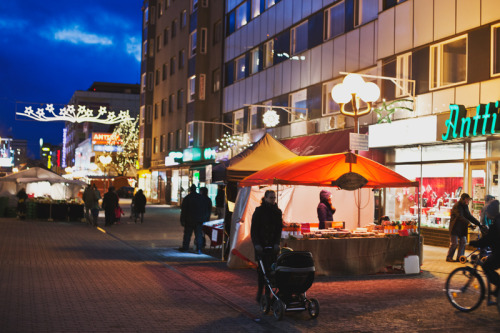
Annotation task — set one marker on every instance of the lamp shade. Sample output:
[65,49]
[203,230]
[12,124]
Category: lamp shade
[370,92]
[340,94]
[353,83]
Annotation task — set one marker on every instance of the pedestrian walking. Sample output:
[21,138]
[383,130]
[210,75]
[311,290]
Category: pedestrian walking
[95,208]
[219,202]
[267,224]
[109,204]
[89,201]
[193,212]
[21,203]
[460,218]
[139,201]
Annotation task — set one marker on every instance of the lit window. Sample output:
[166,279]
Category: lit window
[143,83]
[145,48]
[495,50]
[270,3]
[268,53]
[403,71]
[194,5]
[298,101]
[448,63]
[191,88]
[335,20]
[241,15]
[192,44]
[238,119]
[239,70]
[299,38]
[183,19]
[255,8]
[254,66]
[216,80]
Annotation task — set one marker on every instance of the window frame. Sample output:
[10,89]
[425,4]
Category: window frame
[291,102]
[216,80]
[239,114]
[237,69]
[328,22]
[255,9]
[183,19]
[203,41]
[254,60]
[180,99]
[403,71]
[253,110]
[194,5]
[193,43]
[217,32]
[495,50]
[191,86]
[268,57]
[239,10]
[432,63]
[293,38]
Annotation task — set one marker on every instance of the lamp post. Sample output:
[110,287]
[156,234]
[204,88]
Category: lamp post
[354,89]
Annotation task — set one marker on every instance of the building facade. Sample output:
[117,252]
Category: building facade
[180,95]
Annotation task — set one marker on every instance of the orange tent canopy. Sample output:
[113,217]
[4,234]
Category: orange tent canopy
[325,170]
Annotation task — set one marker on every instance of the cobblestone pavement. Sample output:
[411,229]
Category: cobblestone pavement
[69,277]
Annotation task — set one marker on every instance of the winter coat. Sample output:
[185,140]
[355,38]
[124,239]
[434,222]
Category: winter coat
[140,202]
[193,210]
[267,224]
[89,197]
[325,210]
[110,202]
[492,237]
[460,217]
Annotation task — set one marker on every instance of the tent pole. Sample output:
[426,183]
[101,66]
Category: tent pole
[359,208]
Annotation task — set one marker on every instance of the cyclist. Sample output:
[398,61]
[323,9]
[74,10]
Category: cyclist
[492,239]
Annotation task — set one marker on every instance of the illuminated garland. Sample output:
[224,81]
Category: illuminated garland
[234,142]
[69,113]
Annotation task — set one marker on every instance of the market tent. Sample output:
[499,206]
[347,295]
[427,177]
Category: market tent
[327,170]
[41,182]
[263,153]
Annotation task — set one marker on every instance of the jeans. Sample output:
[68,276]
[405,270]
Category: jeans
[455,241]
[198,236]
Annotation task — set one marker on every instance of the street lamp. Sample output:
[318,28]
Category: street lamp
[354,89]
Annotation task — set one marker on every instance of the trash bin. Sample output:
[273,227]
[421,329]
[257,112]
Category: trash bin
[4,201]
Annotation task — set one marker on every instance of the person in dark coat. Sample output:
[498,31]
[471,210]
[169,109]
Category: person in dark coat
[483,217]
[139,205]
[267,224]
[219,202]
[193,213]
[21,203]
[325,209]
[492,239]
[109,204]
[89,200]
[460,218]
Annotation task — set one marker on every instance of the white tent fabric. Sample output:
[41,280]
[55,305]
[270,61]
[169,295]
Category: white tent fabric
[40,182]
[298,204]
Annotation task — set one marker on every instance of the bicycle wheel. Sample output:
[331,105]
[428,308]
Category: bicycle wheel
[465,289]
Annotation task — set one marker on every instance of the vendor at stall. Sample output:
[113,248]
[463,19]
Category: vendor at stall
[325,208]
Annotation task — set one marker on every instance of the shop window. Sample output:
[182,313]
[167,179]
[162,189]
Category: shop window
[255,8]
[241,15]
[192,44]
[403,72]
[191,84]
[448,63]
[495,50]
[182,58]
[365,11]
[268,53]
[298,101]
[203,41]
[334,20]
[239,68]
[254,65]
[216,80]
[253,118]
[180,98]
[299,38]
[238,120]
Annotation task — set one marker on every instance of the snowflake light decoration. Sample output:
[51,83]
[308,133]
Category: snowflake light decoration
[80,114]
[271,118]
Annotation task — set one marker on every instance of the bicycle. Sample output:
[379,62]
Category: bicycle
[465,288]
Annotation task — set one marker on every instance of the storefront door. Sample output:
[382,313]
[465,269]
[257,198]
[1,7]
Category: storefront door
[477,186]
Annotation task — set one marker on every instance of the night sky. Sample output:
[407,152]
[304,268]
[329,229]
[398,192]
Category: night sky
[50,49]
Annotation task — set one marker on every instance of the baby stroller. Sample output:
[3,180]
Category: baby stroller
[481,253]
[286,283]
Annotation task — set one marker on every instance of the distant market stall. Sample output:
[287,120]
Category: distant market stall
[355,246]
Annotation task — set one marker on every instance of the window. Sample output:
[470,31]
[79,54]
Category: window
[268,53]
[171,103]
[241,15]
[165,36]
[158,43]
[156,111]
[164,72]
[495,50]
[162,143]
[183,19]
[145,48]
[254,61]
[253,118]
[147,147]
[157,77]
[182,58]
[163,107]
[334,20]
[255,8]
[149,115]
[190,134]
[160,9]
[170,143]
[191,88]
[329,106]
[217,32]
[298,100]
[143,83]
[150,81]
[203,42]
[146,16]
[173,30]
[270,3]
[448,63]
[167,3]
[238,121]
[194,5]
[155,145]
[180,143]
[365,11]
[151,47]
[239,68]
[180,98]
[216,80]
[391,3]
[172,66]
[192,44]
[403,71]
[299,38]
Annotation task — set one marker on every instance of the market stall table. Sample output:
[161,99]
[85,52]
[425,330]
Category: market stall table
[356,256]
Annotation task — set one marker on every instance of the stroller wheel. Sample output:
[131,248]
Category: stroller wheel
[463,259]
[265,304]
[278,309]
[313,307]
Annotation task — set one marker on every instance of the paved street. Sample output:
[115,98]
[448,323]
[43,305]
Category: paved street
[69,277]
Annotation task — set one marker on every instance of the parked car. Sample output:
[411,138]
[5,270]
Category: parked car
[125,192]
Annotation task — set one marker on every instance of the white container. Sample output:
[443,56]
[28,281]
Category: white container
[412,265]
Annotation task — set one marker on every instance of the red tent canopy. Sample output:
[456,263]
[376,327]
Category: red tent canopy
[327,170]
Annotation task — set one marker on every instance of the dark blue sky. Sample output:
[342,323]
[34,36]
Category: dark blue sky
[50,49]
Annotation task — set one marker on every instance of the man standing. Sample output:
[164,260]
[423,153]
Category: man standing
[193,212]
[89,200]
[459,222]
[109,204]
[139,205]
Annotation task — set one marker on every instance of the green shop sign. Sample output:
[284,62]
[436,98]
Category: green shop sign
[483,123]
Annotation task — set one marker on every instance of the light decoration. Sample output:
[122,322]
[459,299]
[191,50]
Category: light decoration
[79,114]
[65,148]
[233,142]
[271,118]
